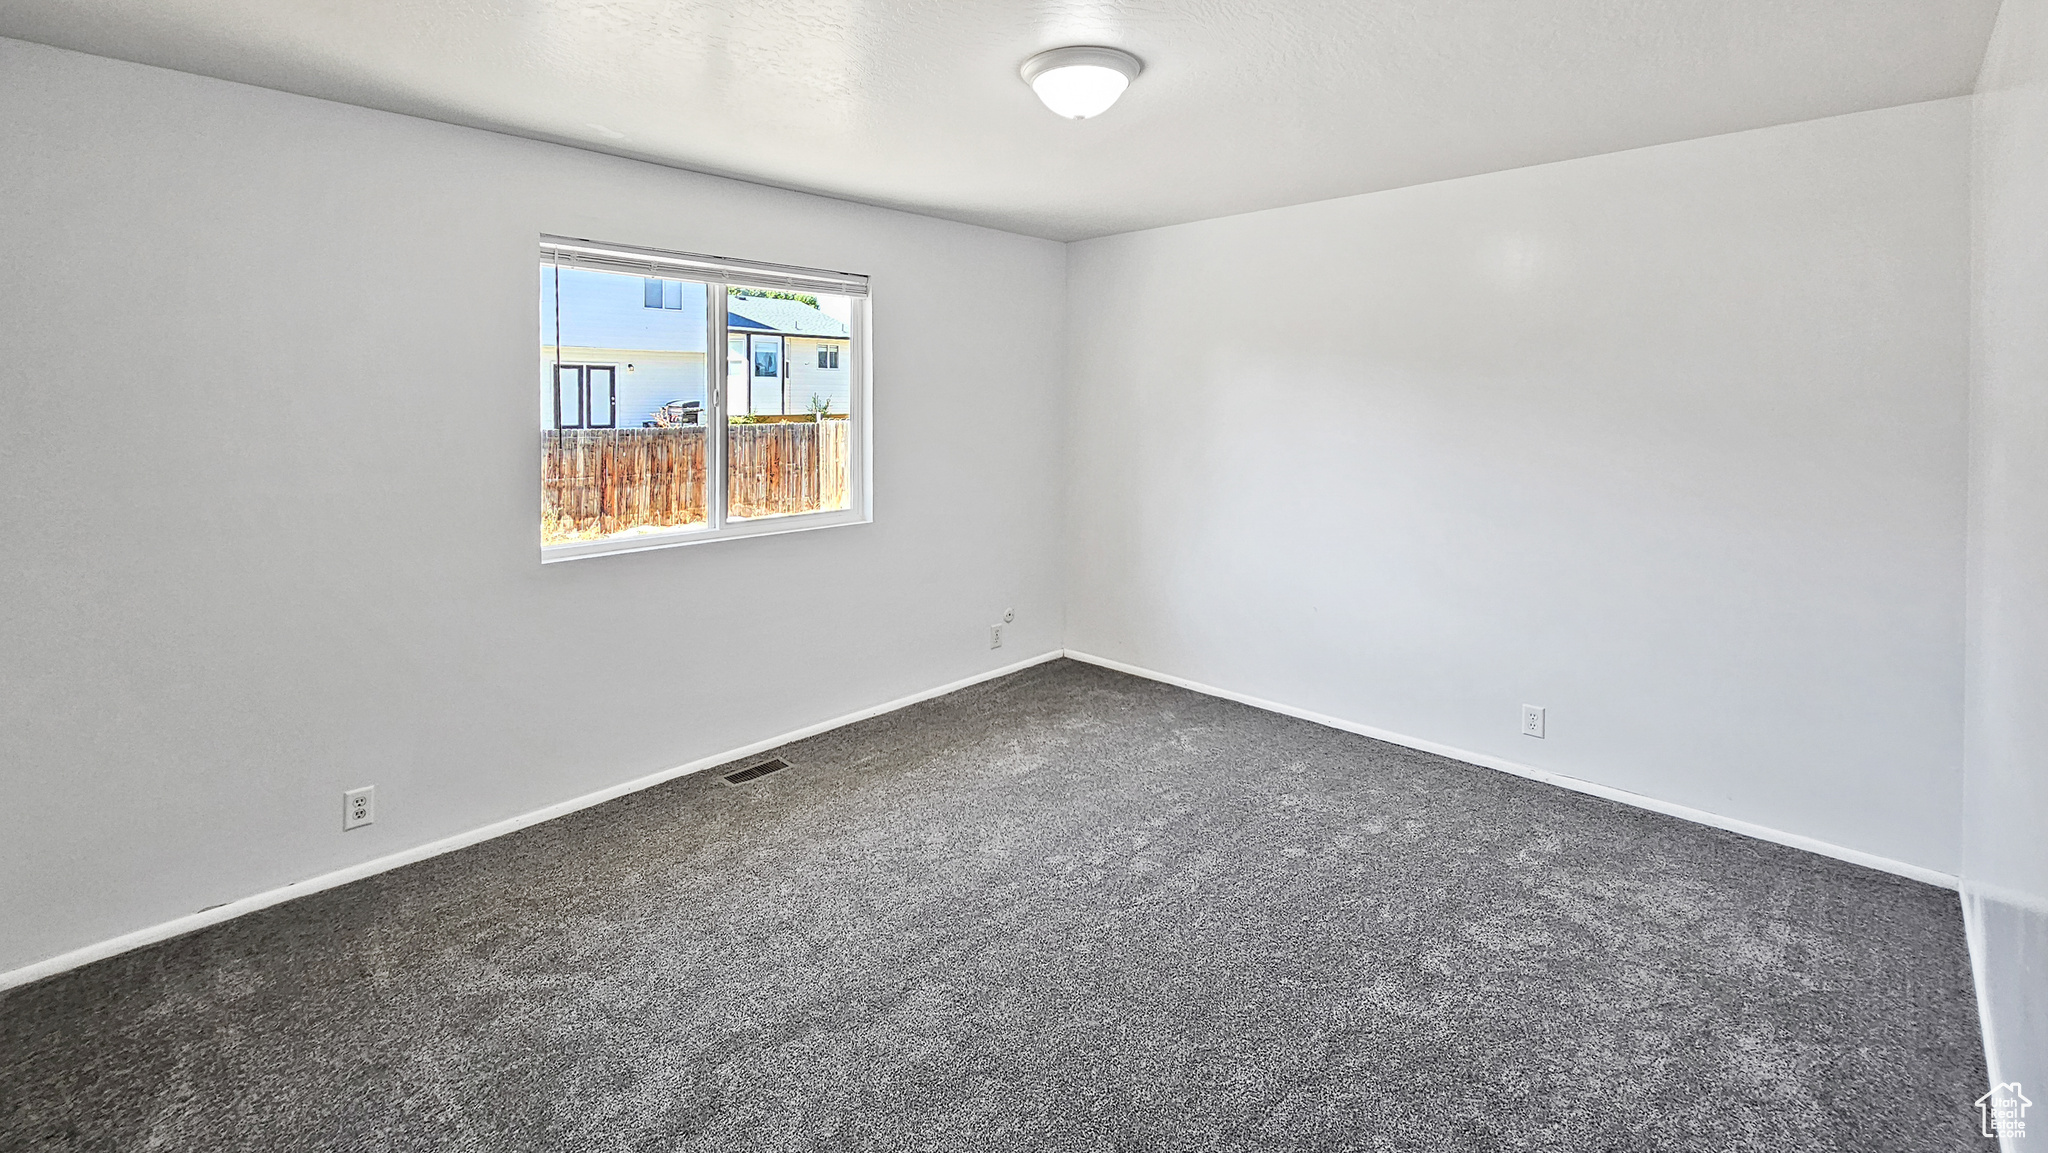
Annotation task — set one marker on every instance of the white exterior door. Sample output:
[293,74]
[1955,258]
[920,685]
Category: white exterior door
[739,378]
[767,373]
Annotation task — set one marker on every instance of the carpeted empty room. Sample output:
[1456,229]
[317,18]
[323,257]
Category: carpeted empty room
[1389,575]
[1068,909]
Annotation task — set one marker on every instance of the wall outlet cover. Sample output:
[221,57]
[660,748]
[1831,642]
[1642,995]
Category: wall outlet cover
[358,808]
[1532,721]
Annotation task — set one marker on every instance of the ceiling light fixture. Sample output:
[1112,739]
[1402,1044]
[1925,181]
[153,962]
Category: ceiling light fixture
[1080,82]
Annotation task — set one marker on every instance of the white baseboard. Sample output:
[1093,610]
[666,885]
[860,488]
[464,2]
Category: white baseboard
[1623,796]
[179,926]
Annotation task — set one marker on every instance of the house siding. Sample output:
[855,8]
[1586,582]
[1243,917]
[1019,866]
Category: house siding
[609,310]
[806,379]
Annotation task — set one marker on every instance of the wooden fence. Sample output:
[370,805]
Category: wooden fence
[776,469]
[601,481]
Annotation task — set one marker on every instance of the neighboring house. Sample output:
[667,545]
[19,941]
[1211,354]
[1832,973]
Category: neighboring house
[781,353]
[626,349]
[629,345]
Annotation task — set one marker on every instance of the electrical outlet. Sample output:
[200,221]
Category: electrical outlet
[1532,721]
[995,636]
[358,808]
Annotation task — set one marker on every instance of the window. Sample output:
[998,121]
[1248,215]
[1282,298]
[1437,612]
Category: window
[648,440]
[657,293]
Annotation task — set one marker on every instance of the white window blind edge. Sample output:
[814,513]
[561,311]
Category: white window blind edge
[574,253]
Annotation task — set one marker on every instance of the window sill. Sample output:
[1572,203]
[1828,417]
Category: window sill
[678,538]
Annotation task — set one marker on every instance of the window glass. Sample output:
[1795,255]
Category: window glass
[622,448]
[793,456]
[648,439]
[568,408]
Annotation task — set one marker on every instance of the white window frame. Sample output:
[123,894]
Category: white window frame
[717,274]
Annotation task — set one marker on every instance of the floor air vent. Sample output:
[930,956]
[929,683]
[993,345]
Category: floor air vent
[760,770]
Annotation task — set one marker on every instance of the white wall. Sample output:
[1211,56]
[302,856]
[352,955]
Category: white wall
[2005,864]
[240,582]
[1671,442]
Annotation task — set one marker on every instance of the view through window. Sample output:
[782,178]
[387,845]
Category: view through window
[647,439]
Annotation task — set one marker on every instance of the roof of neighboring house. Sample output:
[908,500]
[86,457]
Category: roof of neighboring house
[766,314]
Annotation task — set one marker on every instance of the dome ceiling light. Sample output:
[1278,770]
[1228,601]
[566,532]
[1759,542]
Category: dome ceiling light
[1080,82]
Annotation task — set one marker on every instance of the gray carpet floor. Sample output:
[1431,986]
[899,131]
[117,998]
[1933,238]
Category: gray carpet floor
[1066,910]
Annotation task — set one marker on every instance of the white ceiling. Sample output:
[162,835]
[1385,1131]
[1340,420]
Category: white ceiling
[917,104]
